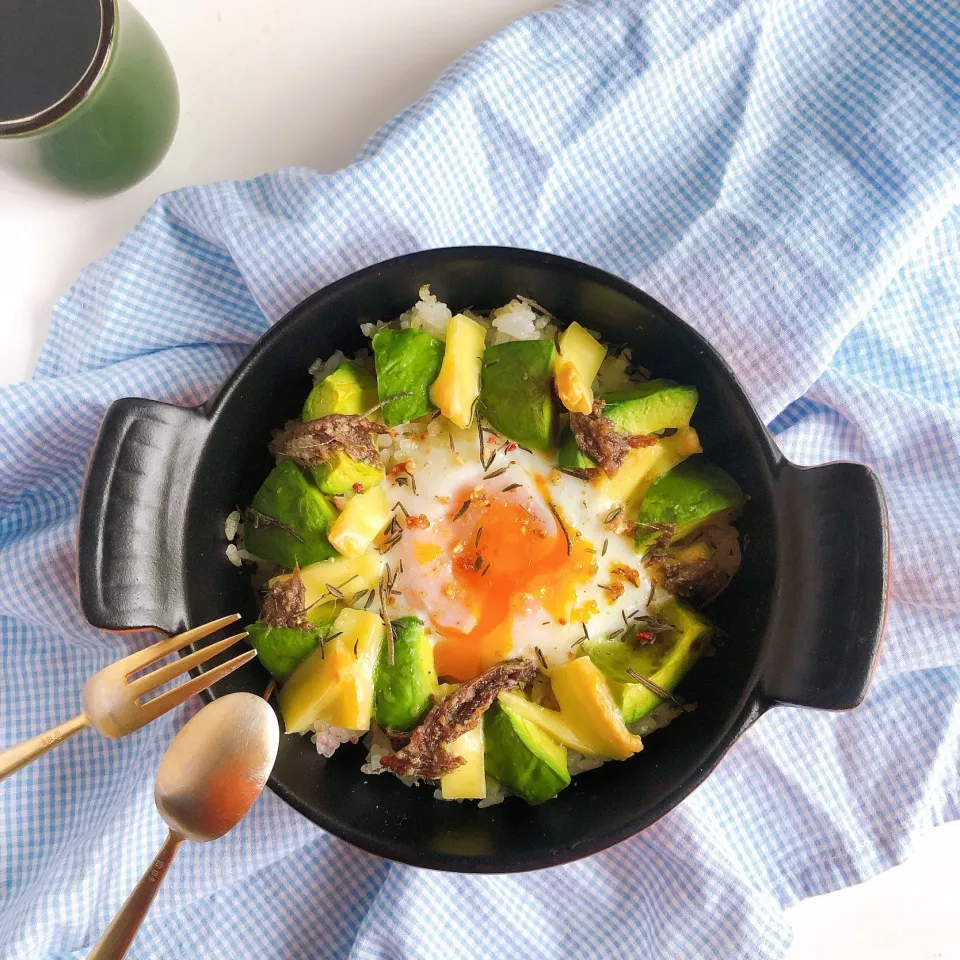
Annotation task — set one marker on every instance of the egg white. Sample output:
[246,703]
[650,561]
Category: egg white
[439,472]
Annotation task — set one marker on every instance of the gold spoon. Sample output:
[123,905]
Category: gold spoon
[209,777]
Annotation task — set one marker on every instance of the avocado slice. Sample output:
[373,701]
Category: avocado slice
[407,361]
[282,649]
[341,474]
[519,754]
[291,519]
[641,409]
[516,391]
[683,500]
[665,661]
[349,389]
[651,406]
[406,689]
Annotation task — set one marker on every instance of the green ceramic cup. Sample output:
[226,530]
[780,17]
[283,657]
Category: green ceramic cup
[88,97]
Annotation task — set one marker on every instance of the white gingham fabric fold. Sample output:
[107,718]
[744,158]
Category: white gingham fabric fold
[786,177]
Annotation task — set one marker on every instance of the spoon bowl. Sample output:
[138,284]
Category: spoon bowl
[217,766]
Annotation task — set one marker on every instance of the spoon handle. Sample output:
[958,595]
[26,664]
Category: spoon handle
[119,935]
[13,758]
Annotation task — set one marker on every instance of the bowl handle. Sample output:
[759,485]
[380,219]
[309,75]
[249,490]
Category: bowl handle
[133,516]
[832,594]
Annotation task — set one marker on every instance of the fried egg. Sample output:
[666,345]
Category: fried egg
[505,560]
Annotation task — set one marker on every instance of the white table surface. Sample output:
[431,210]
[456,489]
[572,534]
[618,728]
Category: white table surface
[249,73]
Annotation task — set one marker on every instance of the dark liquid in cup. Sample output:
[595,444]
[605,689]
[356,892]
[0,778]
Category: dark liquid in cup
[45,48]
[88,97]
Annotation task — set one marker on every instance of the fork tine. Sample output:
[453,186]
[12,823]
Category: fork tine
[156,678]
[157,651]
[152,709]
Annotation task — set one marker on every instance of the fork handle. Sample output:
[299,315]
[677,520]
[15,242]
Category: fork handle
[13,758]
[119,935]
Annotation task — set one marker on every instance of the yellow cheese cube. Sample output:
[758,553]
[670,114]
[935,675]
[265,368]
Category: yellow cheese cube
[335,683]
[467,782]
[313,687]
[576,368]
[456,390]
[350,575]
[364,516]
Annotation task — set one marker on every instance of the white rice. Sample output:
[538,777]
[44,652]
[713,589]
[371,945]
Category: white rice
[430,314]
[236,555]
[515,321]
[328,738]
[378,747]
[321,369]
[578,763]
[520,319]
[659,718]
[233,532]
[613,374]
[496,793]
[232,525]
[371,329]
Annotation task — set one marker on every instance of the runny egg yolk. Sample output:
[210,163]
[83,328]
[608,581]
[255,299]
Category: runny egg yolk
[507,562]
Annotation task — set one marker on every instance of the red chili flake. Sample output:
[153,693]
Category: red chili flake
[511,447]
[418,521]
[358,488]
[643,637]
[401,467]
[491,439]
[562,621]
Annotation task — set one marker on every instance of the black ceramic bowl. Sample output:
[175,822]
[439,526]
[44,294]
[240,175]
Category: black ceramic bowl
[803,619]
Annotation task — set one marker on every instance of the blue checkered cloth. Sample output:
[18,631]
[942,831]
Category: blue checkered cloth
[785,176]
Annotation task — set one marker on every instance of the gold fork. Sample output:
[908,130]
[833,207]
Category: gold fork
[112,701]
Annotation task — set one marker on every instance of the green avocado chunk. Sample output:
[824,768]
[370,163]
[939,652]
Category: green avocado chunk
[641,409]
[288,501]
[341,473]
[519,754]
[685,499]
[406,689]
[349,389]
[407,361]
[282,649]
[665,661]
[516,391]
